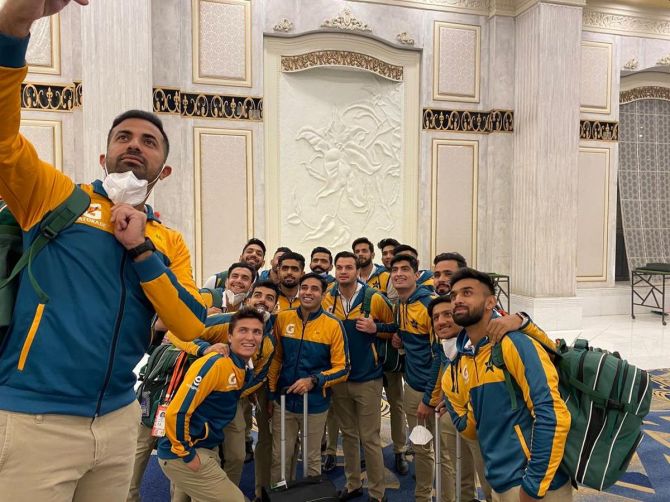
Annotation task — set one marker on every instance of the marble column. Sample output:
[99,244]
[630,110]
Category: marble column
[116,71]
[546,146]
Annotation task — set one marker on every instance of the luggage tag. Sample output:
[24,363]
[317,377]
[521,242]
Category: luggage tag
[158,429]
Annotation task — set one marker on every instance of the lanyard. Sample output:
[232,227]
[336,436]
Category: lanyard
[175,379]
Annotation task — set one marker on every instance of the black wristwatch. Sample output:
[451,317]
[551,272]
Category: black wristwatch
[147,245]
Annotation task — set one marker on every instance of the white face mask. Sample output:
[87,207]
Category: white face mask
[449,347]
[126,188]
[420,435]
[234,299]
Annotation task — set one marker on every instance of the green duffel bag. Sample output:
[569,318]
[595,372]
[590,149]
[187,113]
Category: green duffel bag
[608,399]
[392,359]
[11,248]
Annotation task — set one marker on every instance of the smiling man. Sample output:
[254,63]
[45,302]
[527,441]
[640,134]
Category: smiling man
[291,269]
[253,254]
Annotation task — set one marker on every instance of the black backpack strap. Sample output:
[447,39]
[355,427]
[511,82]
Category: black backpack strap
[51,225]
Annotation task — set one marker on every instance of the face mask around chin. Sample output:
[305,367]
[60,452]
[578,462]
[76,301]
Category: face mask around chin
[125,188]
[234,299]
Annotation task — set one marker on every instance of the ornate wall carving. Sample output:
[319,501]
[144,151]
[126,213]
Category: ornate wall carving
[609,22]
[351,59]
[51,97]
[211,106]
[648,92]
[596,130]
[456,62]
[347,22]
[43,55]
[596,77]
[435,119]
[222,42]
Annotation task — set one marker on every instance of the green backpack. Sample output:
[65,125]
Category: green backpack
[13,258]
[392,360]
[607,399]
[220,281]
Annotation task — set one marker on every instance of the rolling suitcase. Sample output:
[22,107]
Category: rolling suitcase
[307,489]
[438,463]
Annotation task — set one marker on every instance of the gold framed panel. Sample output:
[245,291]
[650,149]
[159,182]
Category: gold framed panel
[198,76]
[608,108]
[474,144]
[605,215]
[56,133]
[54,67]
[445,96]
[198,134]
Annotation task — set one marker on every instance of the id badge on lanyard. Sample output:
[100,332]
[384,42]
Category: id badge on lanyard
[158,430]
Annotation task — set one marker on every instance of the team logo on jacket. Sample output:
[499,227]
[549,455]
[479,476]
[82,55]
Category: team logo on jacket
[196,383]
[466,375]
[232,380]
[290,330]
[94,212]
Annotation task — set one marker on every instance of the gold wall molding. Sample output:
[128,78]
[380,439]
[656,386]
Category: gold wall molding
[211,106]
[480,7]
[347,22]
[480,122]
[648,92]
[597,130]
[624,23]
[593,54]
[317,59]
[51,97]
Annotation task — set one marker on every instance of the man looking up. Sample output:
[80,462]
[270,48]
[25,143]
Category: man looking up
[422,363]
[66,371]
[253,253]
[322,263]
[311,356]
[291,269]
[272,274]
[522,446]
[369,273]
[444,266]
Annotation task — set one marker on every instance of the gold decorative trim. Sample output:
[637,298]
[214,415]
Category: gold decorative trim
[437,60]
[606,20]
[56,127]
[480,7]
[283,25]
[345,21]
[211,106]
[632,64]
[404,38]
[648,92]
[664,61]
[51,97]
[316,59]
[480,122]
[198,77]
[606,110]
[595,130]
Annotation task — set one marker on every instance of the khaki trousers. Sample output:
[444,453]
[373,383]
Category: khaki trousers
[67,458]
[234,435]
[146,443]
[357,406]
[424,459]
[394,395]
[471,462]
[208,484]
[315,425]
[333,429]
[562,494]
[263,452]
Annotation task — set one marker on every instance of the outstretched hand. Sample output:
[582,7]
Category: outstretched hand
[17,16]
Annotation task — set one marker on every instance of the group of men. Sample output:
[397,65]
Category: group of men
[84,311]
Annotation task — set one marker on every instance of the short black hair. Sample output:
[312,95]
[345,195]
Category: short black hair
[363,240]
[471,273]
[321,249]
[403,248]
[457,257]
[142,115]
[413,262]
[242,264]
[282,249]
[435,302]
[293,256]
[347,254]
[387,242]
[245,313]
[265,284]
[312,275]
[255,241]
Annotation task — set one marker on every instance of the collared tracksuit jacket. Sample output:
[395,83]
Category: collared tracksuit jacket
[523,446]
[315,347]
[217,327]
[365,364]
[204,405]
[379,278]
[75,355]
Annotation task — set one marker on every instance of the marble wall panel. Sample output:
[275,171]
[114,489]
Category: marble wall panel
[456,63]
[596,77]
[47,138]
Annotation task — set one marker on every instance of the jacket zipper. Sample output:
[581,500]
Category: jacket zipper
[302,339]
[115,338]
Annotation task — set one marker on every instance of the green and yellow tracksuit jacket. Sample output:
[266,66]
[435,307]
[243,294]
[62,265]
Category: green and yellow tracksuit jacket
[523,446]
[365,364]
[379,278]
[285,303]
[217,327]
[75,355]
[315,347]
[205,403]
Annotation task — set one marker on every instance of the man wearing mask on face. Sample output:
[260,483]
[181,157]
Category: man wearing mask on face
[272,274]
[253,254]
[321,262]
[372,275]
[291,269]
[66,371]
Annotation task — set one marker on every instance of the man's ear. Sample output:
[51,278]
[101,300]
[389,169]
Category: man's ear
[103,158]
[491,302]
[167,171]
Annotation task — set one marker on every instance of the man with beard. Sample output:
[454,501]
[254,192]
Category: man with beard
[356,401]
[425,276]
[444,266]
[372,275]
[272,274]
[321,262]
[422,363]
[312,355]
[522,446]
[291,269]
[66,371]
[263,297]
[253,253]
